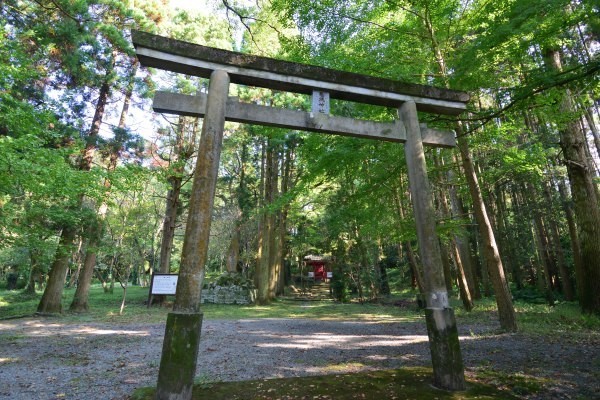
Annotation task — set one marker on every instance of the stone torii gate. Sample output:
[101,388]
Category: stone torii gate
[184,323]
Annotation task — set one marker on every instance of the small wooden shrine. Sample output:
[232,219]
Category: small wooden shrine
[318,268]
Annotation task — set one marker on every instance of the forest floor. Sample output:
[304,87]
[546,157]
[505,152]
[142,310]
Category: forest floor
[67,358]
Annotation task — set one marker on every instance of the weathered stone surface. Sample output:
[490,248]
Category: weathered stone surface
[192,59]
[195,106]
[228,295]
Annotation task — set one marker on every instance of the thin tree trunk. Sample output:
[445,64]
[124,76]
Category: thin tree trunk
[169,224]
[461,243]
[262,267]
[173,202]
[410,254]
[77,261]
[506,312]
[563,270]
[565,279]
[35,272]
[589,117]
[233,251]
[463,285]
[80,299]
[273,260]
[542,245]
[573,238]
[124,286]
[286,183]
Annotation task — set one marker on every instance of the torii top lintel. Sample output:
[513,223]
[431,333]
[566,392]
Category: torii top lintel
[193,59]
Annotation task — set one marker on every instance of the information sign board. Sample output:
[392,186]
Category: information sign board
[164,284]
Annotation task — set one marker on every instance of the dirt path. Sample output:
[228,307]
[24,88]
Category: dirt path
[50,359]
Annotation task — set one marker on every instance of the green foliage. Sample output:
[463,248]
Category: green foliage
[339,286]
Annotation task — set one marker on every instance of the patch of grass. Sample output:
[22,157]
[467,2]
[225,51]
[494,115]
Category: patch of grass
[406,383]
[536,319]
[541,319]
[343,367]
[324,310]
[12,338]
[14,303]
[519,384]
[104,307]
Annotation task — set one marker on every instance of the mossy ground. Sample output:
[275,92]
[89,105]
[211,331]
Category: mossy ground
[406,383]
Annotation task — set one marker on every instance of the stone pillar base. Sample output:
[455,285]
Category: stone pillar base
[179,355]
[448,370]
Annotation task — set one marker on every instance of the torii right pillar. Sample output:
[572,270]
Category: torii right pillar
[448,370]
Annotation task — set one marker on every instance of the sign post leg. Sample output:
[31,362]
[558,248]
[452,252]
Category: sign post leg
[184,323]
[446,357]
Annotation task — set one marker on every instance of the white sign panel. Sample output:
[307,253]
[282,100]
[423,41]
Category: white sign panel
[164,284]
[329,275]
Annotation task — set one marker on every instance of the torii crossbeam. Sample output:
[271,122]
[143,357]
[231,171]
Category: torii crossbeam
[182,332]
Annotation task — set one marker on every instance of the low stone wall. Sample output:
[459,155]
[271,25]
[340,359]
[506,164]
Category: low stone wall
[228,295]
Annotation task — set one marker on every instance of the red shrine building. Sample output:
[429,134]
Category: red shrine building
[318,268]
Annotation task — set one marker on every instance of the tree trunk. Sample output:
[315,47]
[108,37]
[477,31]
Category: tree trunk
[51,302]
[542,245]
[461,243]
[506,312]
[586,202]
[77,261]
[80,299]
[286,184]
[233,252]
[573,238]
[463,285]
[173,203]
[272,234]
[410,254]
[589,117]
[262,267]
[565,280]
[446,265]
[169,224]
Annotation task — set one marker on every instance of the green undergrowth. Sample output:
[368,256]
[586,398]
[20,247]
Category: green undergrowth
[406,383]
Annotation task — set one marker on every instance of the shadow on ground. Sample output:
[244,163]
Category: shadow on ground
[405,383]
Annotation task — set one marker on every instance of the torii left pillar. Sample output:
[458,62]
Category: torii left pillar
[184,324]
[448,370]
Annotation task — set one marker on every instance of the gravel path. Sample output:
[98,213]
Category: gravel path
[50,359]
